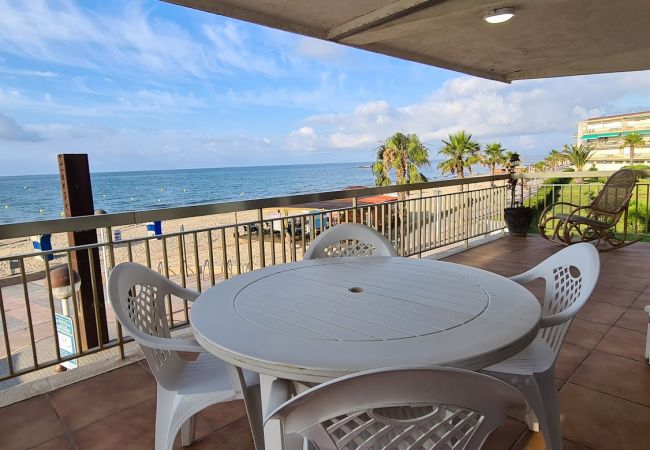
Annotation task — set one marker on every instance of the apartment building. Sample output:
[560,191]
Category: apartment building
[605,133]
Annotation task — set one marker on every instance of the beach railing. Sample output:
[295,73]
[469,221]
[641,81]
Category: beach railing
[40,332]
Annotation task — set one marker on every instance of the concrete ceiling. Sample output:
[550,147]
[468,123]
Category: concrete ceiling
[546,38]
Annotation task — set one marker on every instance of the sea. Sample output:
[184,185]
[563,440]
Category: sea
[38,197]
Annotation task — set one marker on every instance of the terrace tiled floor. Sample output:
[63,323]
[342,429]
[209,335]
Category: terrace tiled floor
[603,380]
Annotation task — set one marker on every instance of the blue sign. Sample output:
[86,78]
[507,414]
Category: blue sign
[65,333]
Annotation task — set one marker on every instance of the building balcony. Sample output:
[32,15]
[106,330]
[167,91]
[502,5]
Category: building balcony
[109,400]
[602,378]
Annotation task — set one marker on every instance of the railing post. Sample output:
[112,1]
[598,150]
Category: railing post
[260,234]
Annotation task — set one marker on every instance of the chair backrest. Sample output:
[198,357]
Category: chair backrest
[570,276]
[616,193]
[407,408]
[138,297]
[349,239]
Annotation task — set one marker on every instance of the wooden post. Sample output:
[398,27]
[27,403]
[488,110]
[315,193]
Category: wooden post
[78,201]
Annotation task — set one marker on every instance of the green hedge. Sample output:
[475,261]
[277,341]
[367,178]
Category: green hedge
[539,202]
[638,215]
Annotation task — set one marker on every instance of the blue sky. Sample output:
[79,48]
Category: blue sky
[145,84]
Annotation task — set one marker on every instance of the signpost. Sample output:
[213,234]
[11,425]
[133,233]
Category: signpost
[67,344]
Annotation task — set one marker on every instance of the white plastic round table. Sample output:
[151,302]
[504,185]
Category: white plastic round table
[315,320]
[311,321]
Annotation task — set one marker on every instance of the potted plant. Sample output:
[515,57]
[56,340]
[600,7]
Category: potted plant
[517,216]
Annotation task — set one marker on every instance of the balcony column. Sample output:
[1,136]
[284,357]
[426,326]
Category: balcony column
[78,201]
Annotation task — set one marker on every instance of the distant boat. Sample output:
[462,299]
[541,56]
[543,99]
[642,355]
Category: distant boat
[365,167]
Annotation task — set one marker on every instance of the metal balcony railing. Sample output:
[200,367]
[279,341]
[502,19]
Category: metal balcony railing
[420,219]
[540,190]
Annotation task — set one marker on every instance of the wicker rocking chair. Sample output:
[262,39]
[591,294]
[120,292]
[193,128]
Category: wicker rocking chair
[595,222]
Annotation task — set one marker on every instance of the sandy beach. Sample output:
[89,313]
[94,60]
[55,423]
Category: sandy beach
[194,250]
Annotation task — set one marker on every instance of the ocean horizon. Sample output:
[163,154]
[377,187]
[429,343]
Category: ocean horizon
[25,198]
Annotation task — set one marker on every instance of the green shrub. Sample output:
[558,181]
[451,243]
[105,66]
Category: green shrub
[593,168]
[638,216]
[638,167]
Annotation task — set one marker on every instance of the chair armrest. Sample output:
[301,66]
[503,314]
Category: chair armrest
[552,320]
[525,277]
[553,205]
[171,344]
[561,317]
[183,293]
[575,210]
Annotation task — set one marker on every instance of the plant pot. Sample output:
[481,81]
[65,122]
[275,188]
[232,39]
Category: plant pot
[518,220]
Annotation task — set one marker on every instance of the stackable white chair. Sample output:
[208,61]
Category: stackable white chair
[183,387]
[405,409]
[349,239]
[570,276]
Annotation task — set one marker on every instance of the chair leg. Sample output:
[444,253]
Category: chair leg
[532,421]
[253,404]
[165,409]
[188,430]
[549,420]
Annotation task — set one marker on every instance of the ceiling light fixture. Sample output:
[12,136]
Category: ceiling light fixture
[499,15]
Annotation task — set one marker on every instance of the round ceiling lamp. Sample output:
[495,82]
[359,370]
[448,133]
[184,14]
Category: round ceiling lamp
[499,15]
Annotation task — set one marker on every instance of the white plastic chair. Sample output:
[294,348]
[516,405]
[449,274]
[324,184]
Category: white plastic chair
[184,387]
[349,239]
[407,408]
[570,276]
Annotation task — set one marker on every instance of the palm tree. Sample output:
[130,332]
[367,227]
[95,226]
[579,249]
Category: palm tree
[555,159]
[402,154]
[461,152]
[493,155]
[578,155]
[631,140]
[540,166]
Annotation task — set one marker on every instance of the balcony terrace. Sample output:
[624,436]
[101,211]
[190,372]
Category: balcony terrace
[603,380]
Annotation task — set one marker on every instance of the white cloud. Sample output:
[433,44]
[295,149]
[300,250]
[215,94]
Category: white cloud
[11,131]
[27,72]
[529,115]
[120,103]
[61,31]
[318,49]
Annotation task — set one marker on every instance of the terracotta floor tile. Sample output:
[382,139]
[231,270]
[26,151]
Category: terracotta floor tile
[614,281]
[624,342]
[601,421]
[604,313]
[569,445]
[584,333]
[202,429]
[620,297]
[530,440]
[236,436]
[505,436]
[568,360]
[58,443]
[28,423]
[222,414]
[96,398]
[641,301]
[615,375]
[132,428]
[634,319]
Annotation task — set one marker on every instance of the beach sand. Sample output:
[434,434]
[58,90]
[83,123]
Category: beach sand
[194,250]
